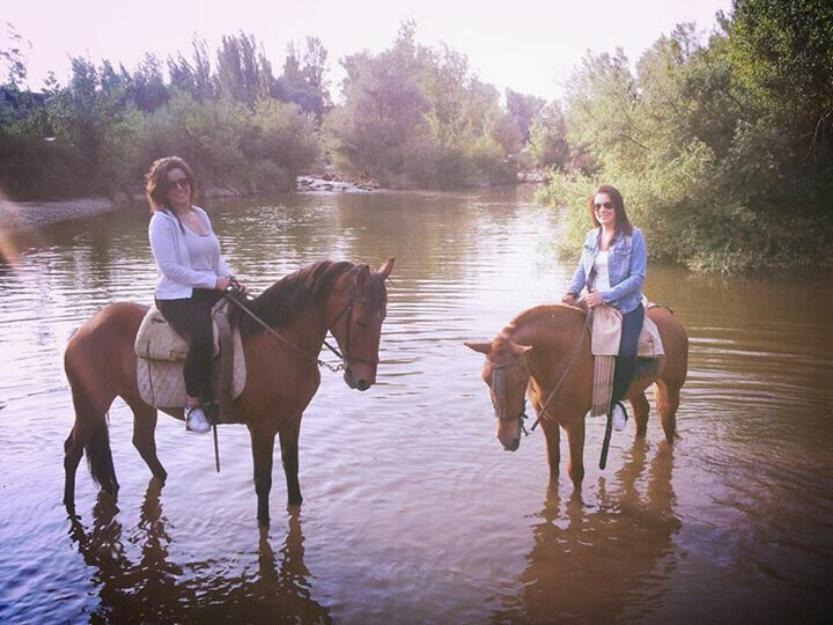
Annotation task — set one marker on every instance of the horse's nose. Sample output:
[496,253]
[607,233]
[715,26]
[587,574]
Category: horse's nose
[512,445]
[362,385]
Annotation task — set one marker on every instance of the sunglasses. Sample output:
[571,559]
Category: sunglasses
[607,205]
[181,183]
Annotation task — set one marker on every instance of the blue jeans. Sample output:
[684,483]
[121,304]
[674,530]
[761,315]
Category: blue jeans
[626,360]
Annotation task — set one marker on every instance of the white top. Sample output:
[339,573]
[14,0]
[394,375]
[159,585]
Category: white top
[602,274]
[184,260]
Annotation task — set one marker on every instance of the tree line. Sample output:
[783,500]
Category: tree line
[723,149]
[412,116]
[722,145]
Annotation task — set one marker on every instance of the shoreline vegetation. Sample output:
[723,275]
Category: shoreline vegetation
[721,142]
[21,216]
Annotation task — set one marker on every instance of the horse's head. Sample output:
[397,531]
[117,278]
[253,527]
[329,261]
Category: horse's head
[357,310]
[507,376]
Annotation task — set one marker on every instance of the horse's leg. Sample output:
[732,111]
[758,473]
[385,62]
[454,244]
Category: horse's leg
[575,436]
[289,456]
[144,428]
[668,400]
[641,408]
[263,444]
[552,432]
[89,432]
[73,450]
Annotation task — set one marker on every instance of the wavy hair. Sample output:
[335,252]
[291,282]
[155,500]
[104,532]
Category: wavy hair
[156,181]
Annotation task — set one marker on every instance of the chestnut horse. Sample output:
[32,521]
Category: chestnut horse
[545,351]
[282,377]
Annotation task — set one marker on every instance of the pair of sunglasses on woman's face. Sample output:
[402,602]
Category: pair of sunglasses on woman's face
[607,205]
[180,183]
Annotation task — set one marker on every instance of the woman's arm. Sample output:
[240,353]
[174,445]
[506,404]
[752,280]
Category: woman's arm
[636,275]
[580,276]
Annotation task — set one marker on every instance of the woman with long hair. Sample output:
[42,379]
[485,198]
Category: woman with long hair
[191,274]
[613,265]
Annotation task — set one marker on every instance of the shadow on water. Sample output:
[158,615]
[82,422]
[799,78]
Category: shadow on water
[153,589]
[595,564]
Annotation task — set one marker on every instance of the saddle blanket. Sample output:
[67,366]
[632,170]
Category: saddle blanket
[161,353]
[606,333]
[604,345]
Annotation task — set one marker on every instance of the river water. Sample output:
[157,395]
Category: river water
[412,511]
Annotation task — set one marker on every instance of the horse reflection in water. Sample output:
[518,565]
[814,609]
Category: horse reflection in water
[155,590]
[346,299]
[597,565]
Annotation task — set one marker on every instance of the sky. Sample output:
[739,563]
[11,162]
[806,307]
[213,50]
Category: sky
[528,46]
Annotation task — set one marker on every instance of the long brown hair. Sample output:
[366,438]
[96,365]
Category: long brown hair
[623,224]
[156,181]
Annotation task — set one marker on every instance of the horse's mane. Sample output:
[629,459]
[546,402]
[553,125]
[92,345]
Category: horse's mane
[537,313]
[280,303]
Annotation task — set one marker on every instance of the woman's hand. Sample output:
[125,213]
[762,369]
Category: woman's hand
[594,299]
[569,299]
[222,284]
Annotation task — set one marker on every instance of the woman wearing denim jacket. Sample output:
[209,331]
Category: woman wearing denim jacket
[191,274]
[613,264]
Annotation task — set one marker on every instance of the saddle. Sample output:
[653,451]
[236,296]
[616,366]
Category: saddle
[606,332]
[161,353]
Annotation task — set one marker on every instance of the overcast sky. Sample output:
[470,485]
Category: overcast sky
[528,46]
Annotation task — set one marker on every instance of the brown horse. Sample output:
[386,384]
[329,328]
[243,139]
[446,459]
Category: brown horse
[547,349]
[346,299]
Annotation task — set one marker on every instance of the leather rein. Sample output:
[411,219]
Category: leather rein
[233,295]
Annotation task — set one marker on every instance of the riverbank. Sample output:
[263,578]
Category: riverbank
[15,216]
[20,216]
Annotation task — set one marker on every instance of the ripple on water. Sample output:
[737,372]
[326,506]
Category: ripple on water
[412,512]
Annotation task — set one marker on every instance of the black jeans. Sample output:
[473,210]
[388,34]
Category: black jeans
[626,360]
[191,318]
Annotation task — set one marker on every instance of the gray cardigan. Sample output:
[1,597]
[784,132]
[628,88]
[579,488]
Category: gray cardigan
[176,278]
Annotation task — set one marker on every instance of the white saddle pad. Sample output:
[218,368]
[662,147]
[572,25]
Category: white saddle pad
[160,380]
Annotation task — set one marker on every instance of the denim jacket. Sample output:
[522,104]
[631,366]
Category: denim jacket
[627,265]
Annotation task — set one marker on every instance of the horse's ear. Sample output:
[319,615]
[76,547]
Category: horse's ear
[363,275]
[520,350]
[386,267]
[483,348]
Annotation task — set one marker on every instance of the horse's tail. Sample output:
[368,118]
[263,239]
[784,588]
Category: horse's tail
[100,458]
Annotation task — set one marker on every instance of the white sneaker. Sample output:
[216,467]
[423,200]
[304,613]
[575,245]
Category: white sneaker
[196,421]
[619,417]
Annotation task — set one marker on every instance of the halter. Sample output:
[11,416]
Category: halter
[346,358]
[233,295]
[499,390]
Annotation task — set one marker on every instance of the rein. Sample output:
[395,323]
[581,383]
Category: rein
[232,297]
[542,412]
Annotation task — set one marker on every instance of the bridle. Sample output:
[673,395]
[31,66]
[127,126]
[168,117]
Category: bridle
[233,295]
[499,390]
[499,380]
[346,357]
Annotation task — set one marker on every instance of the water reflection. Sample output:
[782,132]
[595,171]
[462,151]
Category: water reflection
[154,589]
[596,563]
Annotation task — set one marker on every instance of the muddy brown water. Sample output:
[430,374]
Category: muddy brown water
[412,512]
